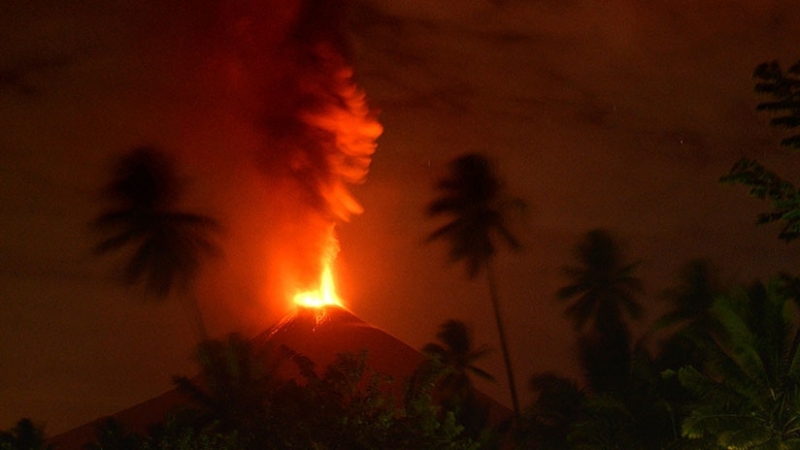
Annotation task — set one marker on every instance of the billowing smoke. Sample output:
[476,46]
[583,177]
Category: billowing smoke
[285,69]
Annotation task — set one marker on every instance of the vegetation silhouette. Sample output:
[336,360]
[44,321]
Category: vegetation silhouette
[347,406]
[625,404]
[111,435]
[457,352]
[166,245]
[602,292]
[175,433]
[749,394]
[234,383]
[472,199]
[454,390]
[25,435]
[784,89]
[546,423]
[602,287]
[698,286]
[689,317]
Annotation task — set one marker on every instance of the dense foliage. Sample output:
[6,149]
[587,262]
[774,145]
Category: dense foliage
[749,395]
[783,89]
[346,407]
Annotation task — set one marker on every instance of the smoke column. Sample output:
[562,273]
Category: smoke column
[285,70]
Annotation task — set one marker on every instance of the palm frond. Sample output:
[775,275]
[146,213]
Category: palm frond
[603,284]
[117,241]
[748,398]
[481,373]
[445,205]
[458,355]
[736,340]
[581,311]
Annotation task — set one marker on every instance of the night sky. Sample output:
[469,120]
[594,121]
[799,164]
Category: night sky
[619,114]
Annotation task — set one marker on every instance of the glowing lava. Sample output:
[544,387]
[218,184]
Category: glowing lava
[325,294]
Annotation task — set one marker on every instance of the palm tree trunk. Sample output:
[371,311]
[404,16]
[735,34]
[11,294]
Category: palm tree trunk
[191,304]
[512,387]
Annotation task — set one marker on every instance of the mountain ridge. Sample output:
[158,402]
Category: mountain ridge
[319,334]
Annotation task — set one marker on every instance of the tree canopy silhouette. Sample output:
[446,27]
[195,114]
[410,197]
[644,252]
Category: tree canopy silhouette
[748,395]
[235,381]
[602,287]
[166,244]
[25,435]
[472,199]
[547,422]
[602,291]
[698,286]
[689,317]
[457,353]
[784,89]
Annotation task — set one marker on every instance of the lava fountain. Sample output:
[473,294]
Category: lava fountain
[324,295]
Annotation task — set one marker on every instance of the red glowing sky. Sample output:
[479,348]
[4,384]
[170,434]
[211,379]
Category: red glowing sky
[619,114]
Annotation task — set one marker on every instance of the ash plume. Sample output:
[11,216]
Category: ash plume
[286,68]
[317,129]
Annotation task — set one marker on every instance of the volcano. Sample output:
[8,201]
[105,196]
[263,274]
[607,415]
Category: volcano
[319,334]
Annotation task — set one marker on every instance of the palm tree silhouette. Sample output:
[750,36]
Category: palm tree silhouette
[472,198]
[167,244]
[691,301]
[603,288]
[458,354]
[602,291]
[699,285]
[235,382]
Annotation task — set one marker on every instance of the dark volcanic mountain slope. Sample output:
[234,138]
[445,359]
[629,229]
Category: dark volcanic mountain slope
[318,334]
[321,334]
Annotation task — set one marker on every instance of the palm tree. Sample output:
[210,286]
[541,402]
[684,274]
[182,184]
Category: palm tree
[458,355]
[167,244]
[691,300]
[748,395]
[603,288]
[602,291]
[698,286]
[235,382]
[471,196]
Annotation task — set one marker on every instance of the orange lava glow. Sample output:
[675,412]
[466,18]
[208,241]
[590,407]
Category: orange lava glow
[325,294]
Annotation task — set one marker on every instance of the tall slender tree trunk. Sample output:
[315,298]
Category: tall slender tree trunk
[512,387]
[190,302]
